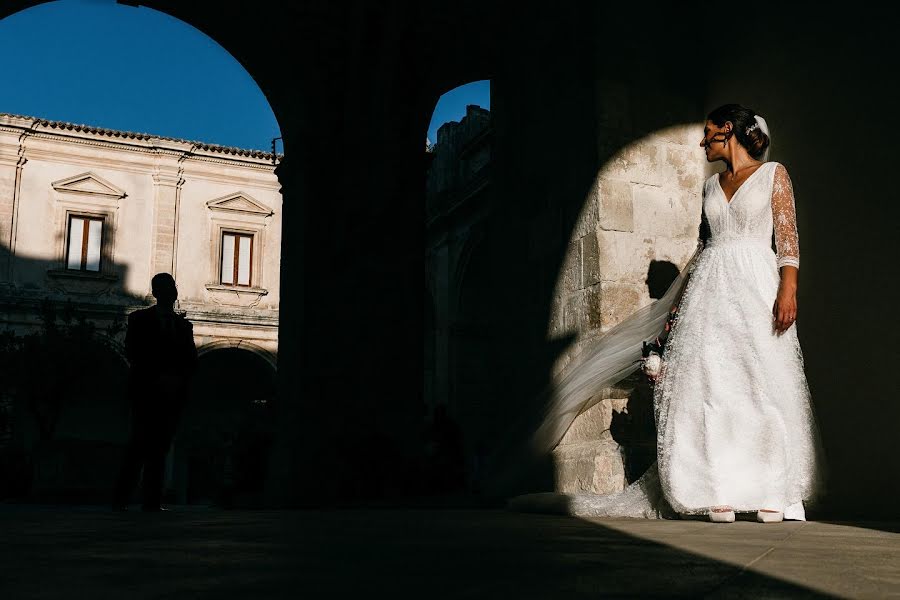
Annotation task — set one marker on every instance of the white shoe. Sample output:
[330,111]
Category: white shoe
[726,516]
[764,516]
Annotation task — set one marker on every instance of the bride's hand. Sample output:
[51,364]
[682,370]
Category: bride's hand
[785,310]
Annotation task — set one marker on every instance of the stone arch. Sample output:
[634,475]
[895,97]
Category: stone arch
[268,356]
[221,448]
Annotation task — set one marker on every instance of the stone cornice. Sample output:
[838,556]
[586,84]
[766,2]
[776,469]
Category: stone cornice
[184,150]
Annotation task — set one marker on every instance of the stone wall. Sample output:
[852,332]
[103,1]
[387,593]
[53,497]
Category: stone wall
[644,205]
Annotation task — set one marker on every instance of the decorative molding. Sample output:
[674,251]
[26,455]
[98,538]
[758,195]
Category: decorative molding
[226,295]
[232,288]
[88,183]
[86,275]
[240,202]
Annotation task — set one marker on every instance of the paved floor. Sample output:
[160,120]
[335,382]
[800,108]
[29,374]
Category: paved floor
[54,552]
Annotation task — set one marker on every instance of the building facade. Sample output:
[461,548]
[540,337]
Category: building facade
[89,215]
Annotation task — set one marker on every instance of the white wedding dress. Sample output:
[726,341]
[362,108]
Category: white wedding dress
[735,424]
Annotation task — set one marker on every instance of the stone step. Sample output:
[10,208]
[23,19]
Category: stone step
[595,466]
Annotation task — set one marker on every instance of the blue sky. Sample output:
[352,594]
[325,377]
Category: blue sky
[100,63]
[452,105]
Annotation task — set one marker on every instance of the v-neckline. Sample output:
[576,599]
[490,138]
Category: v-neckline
[740,187]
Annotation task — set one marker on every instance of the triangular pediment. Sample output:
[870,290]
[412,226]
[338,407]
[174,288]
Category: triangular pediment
[88,183]
[240,202]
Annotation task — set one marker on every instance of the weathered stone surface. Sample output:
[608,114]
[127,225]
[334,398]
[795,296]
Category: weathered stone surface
[590,260]
[616,205]
[619,301]
[572,312]
[688,135]
[591,424]
[683,166]
[675,250]
[588,216]
[638,162]
[592,307]
[663,212]
[571,269]
[594,467]
[624,256]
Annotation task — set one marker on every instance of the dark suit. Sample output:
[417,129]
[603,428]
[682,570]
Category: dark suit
[160,348]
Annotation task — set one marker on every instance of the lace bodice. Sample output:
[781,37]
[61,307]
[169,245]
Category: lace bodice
[762,205]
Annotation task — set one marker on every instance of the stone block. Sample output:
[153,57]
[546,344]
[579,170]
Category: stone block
[590,425]
[571,269]
[586,222]
[592,306]
[595,467]
[654,211]
[661,212]
[616,205]
[623,256]
[619,301]
[688,134]
[590,260]
[572,312]
[638,162]
[684,167]
[675,250]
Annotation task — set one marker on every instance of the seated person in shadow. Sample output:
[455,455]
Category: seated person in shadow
[159,344]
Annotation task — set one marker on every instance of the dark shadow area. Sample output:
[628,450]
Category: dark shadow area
[222,447]
[65,418]
[444,554]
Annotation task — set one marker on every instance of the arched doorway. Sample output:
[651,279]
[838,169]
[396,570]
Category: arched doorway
[223,440]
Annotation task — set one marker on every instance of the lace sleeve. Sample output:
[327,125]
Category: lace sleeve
[784,218]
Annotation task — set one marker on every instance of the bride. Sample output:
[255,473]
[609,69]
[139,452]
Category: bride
[735,425]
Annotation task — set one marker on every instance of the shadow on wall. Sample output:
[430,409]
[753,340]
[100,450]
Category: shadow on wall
[64,417]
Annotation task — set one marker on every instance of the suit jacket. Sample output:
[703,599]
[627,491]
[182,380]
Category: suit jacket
[159,347]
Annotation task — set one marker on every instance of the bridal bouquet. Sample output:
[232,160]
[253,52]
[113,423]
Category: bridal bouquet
[652,353]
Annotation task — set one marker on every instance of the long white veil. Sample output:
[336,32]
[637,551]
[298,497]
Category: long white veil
[610,358]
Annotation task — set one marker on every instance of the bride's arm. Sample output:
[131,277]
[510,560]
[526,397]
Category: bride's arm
[787,245]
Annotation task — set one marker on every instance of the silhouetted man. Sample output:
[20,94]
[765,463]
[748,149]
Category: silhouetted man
[160,347]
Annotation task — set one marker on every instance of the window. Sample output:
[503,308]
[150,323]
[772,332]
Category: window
[83,248]
[237,258]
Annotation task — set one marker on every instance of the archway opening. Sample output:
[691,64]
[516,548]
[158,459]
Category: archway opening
[226,431]
[171,169]
[460,404]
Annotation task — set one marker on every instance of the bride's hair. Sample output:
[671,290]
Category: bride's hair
[755,140]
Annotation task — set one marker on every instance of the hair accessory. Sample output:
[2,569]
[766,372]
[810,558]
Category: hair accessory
[751,128]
